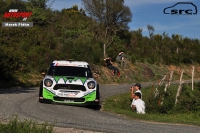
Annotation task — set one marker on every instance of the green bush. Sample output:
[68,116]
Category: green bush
[160,103]
[163,102]
[15,125]
[189,101]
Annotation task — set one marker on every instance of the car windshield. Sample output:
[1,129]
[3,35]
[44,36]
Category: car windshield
[69,71]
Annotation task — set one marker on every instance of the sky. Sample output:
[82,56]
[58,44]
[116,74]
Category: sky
[154,13]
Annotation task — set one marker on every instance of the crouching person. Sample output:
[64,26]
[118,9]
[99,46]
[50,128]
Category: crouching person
[138,104]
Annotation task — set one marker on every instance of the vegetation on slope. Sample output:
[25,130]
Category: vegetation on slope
[72,33]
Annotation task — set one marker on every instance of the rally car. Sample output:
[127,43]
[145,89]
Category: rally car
[69,82]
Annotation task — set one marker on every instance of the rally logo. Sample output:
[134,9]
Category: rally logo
[13,13]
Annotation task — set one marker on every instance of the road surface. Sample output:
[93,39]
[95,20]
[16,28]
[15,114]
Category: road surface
[24,103]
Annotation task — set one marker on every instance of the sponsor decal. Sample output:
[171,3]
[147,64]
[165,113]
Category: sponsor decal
[88,92]
[64,64]
[14,13]
[75,79]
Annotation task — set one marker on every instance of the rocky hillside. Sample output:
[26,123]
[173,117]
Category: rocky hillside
[141,72]
[138,72]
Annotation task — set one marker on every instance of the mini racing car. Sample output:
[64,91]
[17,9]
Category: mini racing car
[69,82]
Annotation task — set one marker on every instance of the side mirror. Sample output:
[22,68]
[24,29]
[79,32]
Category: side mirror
[96,74]
[43,73]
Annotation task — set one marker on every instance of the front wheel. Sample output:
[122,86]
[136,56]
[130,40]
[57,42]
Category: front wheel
[98,94]
[97,106]
[41,98]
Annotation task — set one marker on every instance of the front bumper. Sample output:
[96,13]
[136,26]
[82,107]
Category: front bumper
[87,99]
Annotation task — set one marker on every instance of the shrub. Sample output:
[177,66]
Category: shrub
[189,101]
[163,102]
[160,103]
[15,125]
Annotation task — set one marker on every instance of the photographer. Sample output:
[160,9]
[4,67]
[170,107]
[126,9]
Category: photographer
[120,59]
[135,89]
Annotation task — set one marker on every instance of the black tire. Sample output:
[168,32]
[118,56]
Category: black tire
[97,105]
[41,100]
[40,92]
[41,95]
[98,93]
[40,89]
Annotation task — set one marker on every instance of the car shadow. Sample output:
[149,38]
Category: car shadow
[17,90]
[96,107]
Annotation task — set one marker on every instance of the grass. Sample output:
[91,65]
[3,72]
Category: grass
[15,125]
[31,79]
[120,104]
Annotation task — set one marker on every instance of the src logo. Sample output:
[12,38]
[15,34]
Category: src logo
[181,8]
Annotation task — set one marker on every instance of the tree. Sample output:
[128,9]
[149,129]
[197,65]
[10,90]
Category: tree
[111,16]
[38,3]
[41,12]
[151,30]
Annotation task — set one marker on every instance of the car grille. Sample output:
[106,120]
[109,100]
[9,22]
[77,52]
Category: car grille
[68,99]
[69,87]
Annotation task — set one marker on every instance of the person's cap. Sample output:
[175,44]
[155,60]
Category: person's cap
[138,85]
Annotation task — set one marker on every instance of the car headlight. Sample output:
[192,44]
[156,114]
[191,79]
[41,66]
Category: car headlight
[91,85]
[48,82]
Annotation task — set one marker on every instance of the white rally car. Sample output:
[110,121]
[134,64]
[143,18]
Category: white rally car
[69,82]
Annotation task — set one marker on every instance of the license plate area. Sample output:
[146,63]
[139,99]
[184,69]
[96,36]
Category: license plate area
[68,101]
[67,93]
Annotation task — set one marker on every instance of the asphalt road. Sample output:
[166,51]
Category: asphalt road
[24,103]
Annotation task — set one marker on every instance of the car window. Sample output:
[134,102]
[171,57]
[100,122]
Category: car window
[69,71]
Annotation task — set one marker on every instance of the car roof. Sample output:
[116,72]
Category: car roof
[69,63]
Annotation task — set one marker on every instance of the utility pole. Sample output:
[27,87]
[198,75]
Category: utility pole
[192,77]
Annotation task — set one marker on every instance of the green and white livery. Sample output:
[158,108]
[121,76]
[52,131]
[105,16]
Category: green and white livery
[69,82]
